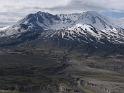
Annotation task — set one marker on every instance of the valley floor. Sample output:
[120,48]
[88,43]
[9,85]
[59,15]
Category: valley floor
[59,71]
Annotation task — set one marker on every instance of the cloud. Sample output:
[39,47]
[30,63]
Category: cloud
[97,5]
[61,5]
[13,10]
[17,4]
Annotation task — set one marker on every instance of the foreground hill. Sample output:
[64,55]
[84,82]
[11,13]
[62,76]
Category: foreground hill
[55,71]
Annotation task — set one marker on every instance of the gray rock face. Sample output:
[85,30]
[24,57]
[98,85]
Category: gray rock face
[88,30]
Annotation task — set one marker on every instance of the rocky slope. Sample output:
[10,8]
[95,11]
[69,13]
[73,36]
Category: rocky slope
[87,30]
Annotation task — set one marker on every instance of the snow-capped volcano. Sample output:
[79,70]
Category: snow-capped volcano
[83,28]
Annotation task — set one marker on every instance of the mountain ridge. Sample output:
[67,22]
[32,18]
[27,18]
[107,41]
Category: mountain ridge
[83,29]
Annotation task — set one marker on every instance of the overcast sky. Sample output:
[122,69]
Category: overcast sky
[13,10]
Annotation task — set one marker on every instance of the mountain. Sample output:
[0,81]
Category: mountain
[119,22]
[88,30]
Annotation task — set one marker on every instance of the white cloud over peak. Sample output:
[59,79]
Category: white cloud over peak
[17,4]
[12,10]
[11,5]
